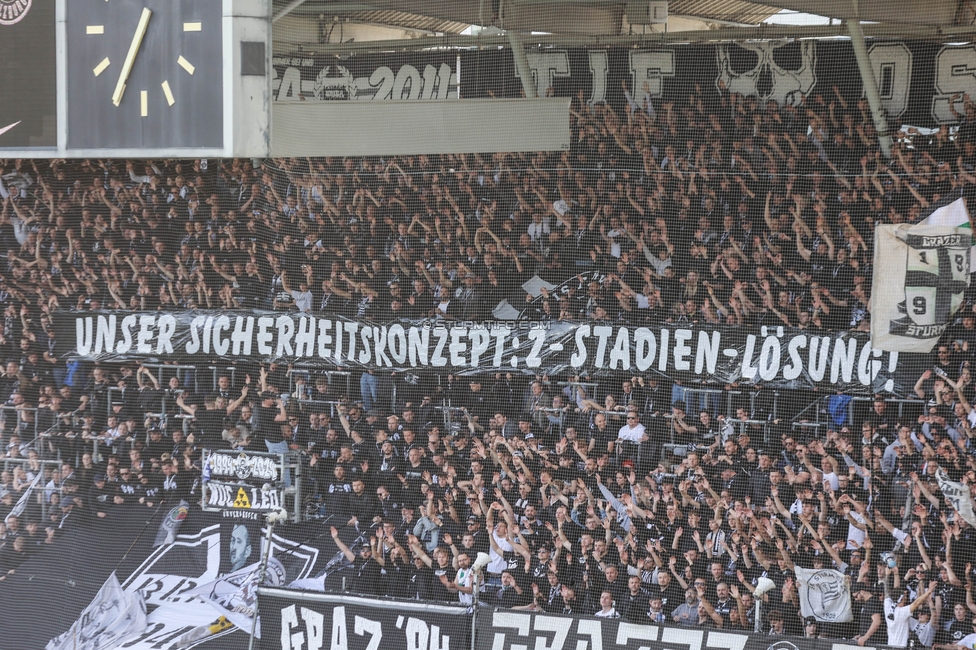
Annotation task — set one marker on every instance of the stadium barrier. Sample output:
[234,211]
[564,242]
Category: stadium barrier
[293,620]
[303,621]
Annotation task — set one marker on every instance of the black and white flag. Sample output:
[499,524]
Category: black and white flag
[112,618]
[957,495]
[824,594]
[921,274]
[170,526]
[21,504]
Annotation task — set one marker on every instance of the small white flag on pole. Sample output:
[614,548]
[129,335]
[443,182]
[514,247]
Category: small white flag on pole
[21,504]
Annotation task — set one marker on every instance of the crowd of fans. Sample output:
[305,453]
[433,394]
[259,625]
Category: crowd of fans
[713,208]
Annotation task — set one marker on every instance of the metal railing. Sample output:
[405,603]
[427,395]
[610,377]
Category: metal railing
[181,371]
[41,491]
[820,420]
[310,372]
[24,428]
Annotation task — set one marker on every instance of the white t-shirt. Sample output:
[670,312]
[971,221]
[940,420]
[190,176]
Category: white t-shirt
[443,305]
[855,533]
[464,578]
[632,434]
[897,619]
[925,632]
[303,300]
[831,478]
[968,641]
[498,563]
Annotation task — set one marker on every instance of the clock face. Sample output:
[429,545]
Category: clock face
[144,74]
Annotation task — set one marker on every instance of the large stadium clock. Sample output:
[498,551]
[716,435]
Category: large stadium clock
[144,74]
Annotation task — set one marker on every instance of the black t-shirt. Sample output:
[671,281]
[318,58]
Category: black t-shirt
[957,630]
[265,426]
[148,400]
[211,423]
[369,574]
[868,610]
[673,596]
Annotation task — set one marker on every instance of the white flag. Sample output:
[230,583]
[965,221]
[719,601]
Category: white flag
[957,495]
[111,619]
[824,595]
[21,504]
[921,274]
[953,215]
[235,597]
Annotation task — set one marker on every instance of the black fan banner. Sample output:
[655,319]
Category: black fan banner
[508,630]
[68,574]
[296,621]
[917,79]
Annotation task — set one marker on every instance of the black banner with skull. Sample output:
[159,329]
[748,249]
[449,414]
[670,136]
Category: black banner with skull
[916,79]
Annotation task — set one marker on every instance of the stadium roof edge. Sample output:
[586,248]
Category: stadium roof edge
[765,32]
[608,17]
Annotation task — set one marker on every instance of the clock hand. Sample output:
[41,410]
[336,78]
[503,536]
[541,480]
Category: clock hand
[130,58]
[10,126]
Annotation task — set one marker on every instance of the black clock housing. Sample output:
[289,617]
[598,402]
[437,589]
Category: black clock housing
[196,117]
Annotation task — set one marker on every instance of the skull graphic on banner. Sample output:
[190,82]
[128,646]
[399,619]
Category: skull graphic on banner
[784,72]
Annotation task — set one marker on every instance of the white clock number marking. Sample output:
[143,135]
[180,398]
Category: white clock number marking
[169,93]
[186,65]
[100,68]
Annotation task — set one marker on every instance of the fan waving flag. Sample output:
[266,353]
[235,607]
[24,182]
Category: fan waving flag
[921,274]
[957,495]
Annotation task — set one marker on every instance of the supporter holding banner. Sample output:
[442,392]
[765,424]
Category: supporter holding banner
[21,504]
[921,274]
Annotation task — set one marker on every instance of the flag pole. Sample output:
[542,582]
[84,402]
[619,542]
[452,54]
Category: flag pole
[272,518]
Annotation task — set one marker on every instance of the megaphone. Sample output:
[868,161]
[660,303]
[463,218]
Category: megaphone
[481,561]
[762,586]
